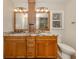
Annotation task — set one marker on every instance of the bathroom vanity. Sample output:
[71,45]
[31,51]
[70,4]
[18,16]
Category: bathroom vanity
[28,46]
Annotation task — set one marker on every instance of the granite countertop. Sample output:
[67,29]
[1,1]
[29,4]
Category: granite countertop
[25,34]
[14,34]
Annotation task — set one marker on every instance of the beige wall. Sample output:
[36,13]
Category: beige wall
[70,29]
[7,16]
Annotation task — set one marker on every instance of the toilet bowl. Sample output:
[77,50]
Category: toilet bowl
[67,51]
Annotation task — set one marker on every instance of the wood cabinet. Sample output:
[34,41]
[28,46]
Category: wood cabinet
[30,47]
[21,48]
[41,48]
[46,47]
[14,47]
[9,48]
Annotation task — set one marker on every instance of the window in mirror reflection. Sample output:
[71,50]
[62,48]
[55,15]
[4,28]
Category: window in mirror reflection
[43,23]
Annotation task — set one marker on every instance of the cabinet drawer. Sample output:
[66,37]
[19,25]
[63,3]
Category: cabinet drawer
[31,49]
[31,40]
[28,42]
[31,52]
[30,45]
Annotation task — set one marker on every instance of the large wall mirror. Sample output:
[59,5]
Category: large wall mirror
[21,21]
[43,21]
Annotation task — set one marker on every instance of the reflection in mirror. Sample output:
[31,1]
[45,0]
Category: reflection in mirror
[42,21]
[21,21]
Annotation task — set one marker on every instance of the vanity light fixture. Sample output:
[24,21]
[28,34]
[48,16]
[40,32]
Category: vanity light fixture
[40,9]
[20,9]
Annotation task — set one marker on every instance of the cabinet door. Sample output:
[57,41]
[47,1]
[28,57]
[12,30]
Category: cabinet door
[21,48]
[14,47]
[46,47]
[51,49]
[9,48]
[41,48]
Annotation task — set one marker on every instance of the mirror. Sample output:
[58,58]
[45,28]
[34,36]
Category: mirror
[21,21]
[43,21]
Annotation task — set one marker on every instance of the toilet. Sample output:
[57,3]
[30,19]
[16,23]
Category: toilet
[67,51]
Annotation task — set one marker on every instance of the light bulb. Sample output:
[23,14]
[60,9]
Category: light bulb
[42,10]
[46,10]
[37,10]
[15,10]
[20,10]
